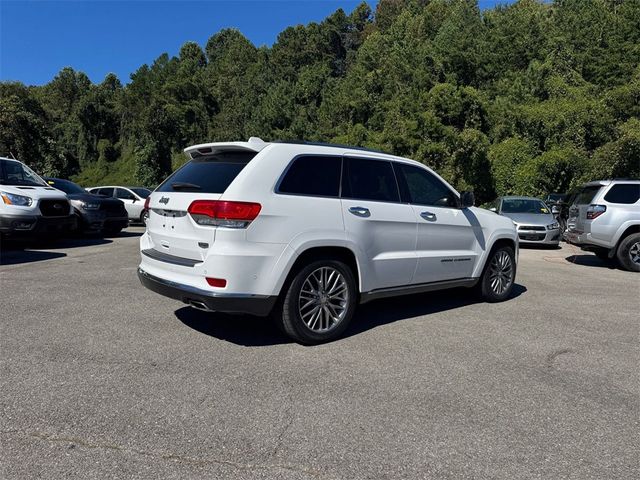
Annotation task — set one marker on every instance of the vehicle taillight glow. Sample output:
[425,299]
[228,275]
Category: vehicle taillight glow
[147,202]
[216,282]
[594,211]
[222,213]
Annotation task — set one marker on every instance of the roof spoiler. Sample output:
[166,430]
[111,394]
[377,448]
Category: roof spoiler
[254,144]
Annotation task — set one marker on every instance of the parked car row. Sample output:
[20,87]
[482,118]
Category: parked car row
[32,205]
[601,216]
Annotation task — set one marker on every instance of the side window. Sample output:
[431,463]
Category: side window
[420,187]
[313,175]
[364,179]
[107,192]
[627,193]
[123,194]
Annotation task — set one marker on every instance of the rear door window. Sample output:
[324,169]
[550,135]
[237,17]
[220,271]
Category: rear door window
[627,193]
[124,194]
[210,174]
[107,192]
[313,175]
[586,195]
[365,179]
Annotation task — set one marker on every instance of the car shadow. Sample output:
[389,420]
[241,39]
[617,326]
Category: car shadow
[591,261]
[249,331]
[16,251]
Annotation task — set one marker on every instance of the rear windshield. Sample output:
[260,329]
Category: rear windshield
[210,174]
[586,195]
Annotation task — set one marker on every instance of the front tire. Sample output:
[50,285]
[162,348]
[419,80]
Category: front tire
[319,302]
[629,253]
[499,275]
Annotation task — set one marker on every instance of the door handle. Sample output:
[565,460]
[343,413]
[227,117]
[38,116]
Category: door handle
[360,211]
[429,216]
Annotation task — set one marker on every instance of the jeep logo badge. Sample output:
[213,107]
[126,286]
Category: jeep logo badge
[164,200]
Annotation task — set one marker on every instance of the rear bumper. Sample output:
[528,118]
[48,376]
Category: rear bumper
[585,241]
[216,302]
[36,225]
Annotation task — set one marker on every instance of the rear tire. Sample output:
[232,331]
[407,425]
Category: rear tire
[144,216]
[318,303]
[499,275]
[629,252]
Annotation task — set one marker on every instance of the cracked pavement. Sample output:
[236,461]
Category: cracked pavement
[100,378]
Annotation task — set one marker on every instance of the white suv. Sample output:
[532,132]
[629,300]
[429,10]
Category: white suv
[308,231]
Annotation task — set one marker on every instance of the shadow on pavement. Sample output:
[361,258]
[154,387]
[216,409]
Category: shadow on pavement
[16,251]
[244,330]
[589,260]
[251,331]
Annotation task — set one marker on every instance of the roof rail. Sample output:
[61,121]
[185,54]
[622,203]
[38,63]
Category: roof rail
[326,144]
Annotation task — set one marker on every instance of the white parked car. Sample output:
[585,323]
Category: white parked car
[28,205]
[308,231]
[133,198]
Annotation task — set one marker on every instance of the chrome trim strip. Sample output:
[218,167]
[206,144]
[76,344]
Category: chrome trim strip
[196,290]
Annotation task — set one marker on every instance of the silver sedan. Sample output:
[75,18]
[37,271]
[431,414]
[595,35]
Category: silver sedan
[533,218]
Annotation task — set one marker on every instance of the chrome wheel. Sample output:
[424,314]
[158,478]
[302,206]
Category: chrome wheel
[500,272]
[323,299]
[634,253]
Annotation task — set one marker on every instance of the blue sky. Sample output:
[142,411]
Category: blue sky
[38,38]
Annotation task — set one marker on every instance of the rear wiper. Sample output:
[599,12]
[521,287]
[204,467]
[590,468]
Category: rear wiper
[185,186]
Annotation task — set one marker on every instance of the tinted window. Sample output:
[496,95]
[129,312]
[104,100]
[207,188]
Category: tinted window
[623,193]
[141,192]
[585,195]
[369,180]
[420,187]
[124,194]
[210,174]
[313,175]
[107,192]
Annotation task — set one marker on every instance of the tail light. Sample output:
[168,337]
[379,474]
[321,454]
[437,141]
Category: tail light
[594,211]
[221,213]
[147,201]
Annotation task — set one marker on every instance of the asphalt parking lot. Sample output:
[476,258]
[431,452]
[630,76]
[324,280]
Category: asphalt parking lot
[103,379]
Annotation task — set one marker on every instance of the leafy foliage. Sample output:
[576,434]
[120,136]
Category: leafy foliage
[524,98]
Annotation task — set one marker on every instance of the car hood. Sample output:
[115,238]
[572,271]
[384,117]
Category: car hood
[36,193]
[531,218]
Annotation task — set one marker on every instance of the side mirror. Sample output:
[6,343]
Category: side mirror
[133,199]
[494,209]
[467,199]
[555,210]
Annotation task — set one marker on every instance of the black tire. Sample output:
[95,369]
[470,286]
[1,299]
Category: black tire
[498,278]
[308,331]
[143,217]
[629,252]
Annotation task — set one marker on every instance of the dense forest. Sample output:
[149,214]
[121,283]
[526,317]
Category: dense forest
[524,98]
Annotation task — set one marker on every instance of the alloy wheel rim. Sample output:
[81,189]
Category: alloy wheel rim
[323,299]
[634,253]
[500,272]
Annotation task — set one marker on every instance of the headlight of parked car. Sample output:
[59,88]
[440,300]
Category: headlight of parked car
[553,226]
[13,199]
[89,206]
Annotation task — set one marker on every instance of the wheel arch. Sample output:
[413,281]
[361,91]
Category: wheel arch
[496,243]
[333,252]
[635,228]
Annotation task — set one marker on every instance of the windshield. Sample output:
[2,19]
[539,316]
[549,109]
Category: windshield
[65,185]
[13,172]
[556,197]
[141,192]
[524,205]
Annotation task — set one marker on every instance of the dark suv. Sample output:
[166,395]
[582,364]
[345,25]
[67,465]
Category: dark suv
[94,212]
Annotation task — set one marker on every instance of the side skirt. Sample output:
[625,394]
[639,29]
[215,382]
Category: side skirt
[420,288]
